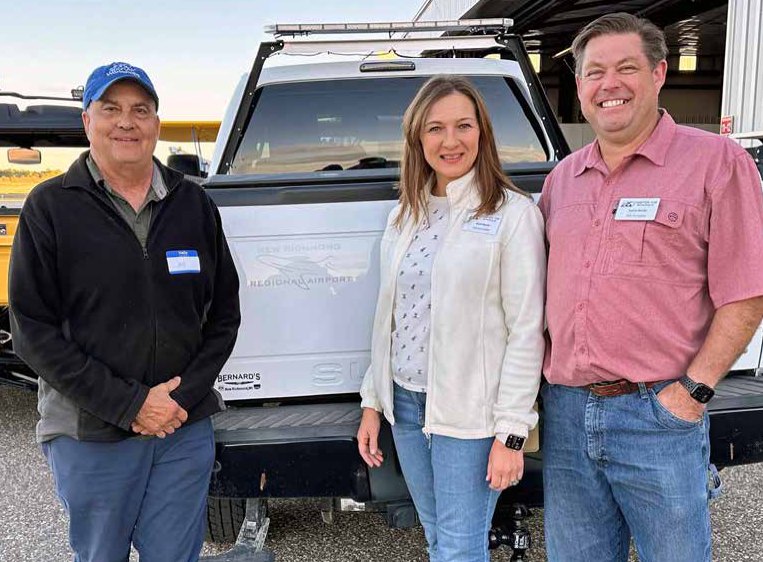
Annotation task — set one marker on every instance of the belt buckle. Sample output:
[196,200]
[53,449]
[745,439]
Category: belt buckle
[610,388]
[604,383]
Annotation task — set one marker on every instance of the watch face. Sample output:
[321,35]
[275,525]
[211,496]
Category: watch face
[515,442]
[702,393]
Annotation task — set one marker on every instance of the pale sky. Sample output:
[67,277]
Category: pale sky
[195,51]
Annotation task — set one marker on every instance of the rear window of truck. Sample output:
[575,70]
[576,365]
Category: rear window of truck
[356,124]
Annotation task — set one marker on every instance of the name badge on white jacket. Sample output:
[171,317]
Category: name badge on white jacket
[487,224]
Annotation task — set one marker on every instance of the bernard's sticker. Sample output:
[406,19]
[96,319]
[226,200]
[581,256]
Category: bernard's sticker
[235,383]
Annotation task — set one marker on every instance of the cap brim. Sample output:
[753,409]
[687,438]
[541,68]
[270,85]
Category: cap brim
[100,91]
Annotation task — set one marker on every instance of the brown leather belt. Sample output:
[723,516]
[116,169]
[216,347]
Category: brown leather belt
[616,388]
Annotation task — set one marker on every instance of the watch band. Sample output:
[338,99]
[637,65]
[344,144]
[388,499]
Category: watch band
[700,392]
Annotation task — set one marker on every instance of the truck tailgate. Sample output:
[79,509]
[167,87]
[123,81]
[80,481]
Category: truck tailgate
[309,281]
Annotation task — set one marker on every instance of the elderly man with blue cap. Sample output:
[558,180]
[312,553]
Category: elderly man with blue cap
[124,300]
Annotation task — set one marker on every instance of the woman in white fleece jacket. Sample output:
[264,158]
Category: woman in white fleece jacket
[458,333]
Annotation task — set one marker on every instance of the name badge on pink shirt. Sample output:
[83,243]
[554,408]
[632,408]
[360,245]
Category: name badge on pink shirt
[637,209]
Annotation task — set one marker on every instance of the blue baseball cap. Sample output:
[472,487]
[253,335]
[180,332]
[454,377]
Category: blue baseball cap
[104,76]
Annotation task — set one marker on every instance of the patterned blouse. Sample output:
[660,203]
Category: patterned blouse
[413,300]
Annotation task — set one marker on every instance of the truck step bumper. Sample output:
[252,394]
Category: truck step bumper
[289,451]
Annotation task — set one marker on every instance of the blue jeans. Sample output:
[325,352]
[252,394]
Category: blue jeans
[149,492]
[620,466]
[446,479]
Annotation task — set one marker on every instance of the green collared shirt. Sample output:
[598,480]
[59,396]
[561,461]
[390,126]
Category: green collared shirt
[140,220]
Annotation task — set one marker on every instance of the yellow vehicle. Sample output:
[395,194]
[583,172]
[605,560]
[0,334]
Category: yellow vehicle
[41,142]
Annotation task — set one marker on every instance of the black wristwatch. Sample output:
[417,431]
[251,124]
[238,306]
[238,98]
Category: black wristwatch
[515,442]
[700,392]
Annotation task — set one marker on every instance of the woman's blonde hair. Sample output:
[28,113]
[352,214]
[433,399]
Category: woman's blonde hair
[416,175]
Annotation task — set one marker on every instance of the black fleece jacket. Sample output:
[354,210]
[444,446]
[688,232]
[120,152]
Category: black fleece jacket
[101,320]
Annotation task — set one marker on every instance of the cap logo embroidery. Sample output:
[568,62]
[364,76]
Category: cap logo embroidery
[122,68]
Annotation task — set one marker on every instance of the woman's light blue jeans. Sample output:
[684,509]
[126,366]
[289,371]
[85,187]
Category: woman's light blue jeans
[620,466]
[446,479]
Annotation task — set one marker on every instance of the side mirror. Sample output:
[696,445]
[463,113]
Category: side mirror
[185,163]
[24,156]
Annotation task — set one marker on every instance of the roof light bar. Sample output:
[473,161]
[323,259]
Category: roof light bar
[367,46]
[294,29]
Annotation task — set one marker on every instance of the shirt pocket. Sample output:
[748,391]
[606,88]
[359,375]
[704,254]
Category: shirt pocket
[652,243]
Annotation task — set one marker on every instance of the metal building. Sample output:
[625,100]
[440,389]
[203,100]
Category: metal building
[695,32]
[742,107]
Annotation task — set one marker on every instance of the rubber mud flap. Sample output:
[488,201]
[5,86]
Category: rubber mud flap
[401,515]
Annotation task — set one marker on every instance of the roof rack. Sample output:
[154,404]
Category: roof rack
[471,25]
[481,34]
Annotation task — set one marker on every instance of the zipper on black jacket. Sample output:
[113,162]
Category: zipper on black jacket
[151,379]
[147,270]
[155,213]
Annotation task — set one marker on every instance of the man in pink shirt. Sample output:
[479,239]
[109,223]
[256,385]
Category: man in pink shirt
[655,287]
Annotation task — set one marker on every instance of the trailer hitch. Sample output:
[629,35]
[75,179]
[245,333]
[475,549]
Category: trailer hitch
[517,537]
[250,543]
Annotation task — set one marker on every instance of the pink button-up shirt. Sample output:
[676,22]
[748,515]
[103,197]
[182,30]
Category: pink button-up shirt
[634,299]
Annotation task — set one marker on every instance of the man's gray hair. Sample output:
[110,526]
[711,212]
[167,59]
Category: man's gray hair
[652,37]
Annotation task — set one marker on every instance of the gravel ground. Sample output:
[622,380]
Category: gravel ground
[33,525]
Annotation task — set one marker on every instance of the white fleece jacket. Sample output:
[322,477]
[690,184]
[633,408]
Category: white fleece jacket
[486,347]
